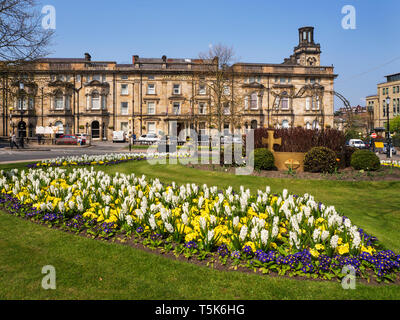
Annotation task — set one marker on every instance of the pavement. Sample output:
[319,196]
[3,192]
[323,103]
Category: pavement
[35,152]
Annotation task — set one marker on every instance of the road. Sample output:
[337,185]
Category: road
[99,148]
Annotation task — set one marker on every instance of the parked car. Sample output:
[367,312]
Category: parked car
[82,138]
[384,150]
[67,140]
[149,138]
[119,136]
[357,143]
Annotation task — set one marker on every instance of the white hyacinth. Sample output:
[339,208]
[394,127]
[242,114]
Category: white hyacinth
[169,227]
[264,236]
[334,241]
[243,233]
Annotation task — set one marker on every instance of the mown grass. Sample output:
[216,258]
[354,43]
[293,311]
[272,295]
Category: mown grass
[89,269]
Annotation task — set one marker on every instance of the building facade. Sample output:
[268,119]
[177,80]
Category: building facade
[391,89]
[146,96]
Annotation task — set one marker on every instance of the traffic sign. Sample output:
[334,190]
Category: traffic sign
[374,136]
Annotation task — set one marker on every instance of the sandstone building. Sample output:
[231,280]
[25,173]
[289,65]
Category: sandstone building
[99,97]
[391,89]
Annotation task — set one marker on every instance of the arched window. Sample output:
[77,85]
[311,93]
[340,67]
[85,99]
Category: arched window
[315,124]
[285,124]
[95,100]
[58,101]
[60,126]
[308,125]
[254,124]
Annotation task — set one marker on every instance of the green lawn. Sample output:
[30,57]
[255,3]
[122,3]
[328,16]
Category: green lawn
[128,273]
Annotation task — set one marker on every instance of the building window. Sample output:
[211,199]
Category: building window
[96,77]
[150,78]
[254,101]
[124,108]
[78,78]
[31,103]
[151,88]
[59,101]
[315,124]
[226,129]
[67,102]
[124,127]
[285,124]
[151,127]
[308,126]
[176,89]
[283,80]
[227,109]
[227,90]
[202,89]
[202,108]
[151,108]
[285,103]
[60,127]
[124,90]
[177,108]
[104,102]
[308,103]
[95,100]
[124,77]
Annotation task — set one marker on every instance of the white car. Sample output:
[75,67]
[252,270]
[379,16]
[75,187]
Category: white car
[357,143]
[149,138]
[119,136]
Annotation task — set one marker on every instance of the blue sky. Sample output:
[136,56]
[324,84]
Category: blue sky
[260,31]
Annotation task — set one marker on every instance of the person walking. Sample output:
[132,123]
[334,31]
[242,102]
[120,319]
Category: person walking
[14,141]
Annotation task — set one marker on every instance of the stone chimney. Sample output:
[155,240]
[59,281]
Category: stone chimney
[88,57]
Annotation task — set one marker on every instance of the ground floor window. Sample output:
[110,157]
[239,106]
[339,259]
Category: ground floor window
[151,127]
[60,126]
[124,127]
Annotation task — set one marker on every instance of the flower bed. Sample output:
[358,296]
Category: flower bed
[107,159]
[283,233]
[390,163]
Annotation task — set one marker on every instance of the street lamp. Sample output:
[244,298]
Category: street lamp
[389,148]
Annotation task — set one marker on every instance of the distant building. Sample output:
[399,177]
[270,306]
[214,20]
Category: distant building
[361,117]
[391,89]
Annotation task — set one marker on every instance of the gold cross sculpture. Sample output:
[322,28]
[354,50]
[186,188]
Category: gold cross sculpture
[271,141]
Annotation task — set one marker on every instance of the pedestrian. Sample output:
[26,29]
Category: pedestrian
[39,139]
[14,141]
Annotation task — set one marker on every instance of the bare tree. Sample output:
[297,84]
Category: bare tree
[225,100]
[22,37]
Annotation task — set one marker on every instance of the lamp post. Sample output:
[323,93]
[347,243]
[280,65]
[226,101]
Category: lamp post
[130,134]
[388,142]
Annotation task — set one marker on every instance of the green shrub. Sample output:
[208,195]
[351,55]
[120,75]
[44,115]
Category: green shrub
[320,159]
[263,159]
[365,160]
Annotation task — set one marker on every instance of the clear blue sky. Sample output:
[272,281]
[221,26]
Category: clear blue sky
[260,31]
